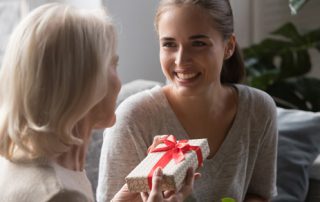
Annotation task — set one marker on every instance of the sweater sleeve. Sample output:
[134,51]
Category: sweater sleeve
[122,150]
[263,181]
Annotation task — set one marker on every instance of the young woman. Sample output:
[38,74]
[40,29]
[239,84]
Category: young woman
[58,81]
[203,99]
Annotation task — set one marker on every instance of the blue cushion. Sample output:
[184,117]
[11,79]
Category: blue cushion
[299,145]
[315,170]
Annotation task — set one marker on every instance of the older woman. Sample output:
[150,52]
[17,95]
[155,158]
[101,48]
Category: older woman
[58,82]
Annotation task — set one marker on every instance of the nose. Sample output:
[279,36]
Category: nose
[119,84]
[182,56]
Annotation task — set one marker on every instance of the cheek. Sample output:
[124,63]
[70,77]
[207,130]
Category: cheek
[165,67]
[165,60]
[216,57]
[115,84]
[162,57]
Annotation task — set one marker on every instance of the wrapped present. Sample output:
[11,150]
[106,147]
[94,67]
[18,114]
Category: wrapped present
[174,157]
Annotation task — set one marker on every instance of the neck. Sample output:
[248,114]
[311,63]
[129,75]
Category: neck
[74,159]
[210,102]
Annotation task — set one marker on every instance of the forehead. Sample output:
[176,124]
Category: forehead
[186,19]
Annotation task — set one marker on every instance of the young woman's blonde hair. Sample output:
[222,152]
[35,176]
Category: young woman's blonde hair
[54,71]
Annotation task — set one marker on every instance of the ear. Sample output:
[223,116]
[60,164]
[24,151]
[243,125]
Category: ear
[230,47]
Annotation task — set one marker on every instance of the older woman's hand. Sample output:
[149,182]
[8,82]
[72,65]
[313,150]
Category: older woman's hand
[156,195]
[156,141]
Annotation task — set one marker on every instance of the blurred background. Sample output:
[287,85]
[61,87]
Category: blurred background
[280,40]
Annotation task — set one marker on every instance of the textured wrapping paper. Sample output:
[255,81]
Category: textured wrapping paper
[173,173]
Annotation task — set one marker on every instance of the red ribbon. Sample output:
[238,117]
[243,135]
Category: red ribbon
[174,150]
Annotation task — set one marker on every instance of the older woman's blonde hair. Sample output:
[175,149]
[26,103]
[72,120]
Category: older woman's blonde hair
[54,71]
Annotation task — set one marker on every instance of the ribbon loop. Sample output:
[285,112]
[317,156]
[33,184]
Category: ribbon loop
[175,150]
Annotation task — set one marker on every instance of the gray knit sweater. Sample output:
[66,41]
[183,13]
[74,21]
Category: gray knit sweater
[245,162]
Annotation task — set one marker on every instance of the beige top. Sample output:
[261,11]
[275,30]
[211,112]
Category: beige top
[34,182]
[245,162]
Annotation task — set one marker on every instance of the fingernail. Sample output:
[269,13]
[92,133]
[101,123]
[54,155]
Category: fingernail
[163,137]
[159,172]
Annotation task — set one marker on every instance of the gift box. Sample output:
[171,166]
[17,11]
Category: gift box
[174,157]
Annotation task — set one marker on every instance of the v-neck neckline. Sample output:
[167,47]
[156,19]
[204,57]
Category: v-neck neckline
[218,156]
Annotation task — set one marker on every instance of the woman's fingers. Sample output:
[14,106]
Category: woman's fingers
[125,195]
[187,188]
[156,192]
[157,195]
[144,196]
[196,176]
[190,177]
[167,194]
[156,181]
[156,141]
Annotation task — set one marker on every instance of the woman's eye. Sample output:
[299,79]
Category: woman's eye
[168,44]
[198,43]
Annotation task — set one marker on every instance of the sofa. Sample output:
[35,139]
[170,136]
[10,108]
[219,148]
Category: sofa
[298,163]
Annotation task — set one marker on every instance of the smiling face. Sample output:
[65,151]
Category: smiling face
[191,50]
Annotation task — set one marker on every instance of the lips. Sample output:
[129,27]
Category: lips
[186,76]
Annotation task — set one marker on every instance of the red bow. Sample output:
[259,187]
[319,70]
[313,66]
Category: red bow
[174,150]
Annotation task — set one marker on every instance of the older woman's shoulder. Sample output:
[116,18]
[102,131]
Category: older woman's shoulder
[33,182]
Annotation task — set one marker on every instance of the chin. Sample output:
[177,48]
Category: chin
[107,123]
[112,121]
[186,91]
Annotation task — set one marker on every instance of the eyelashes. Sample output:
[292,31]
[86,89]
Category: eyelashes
[169,44]
[193,44]
[198,43]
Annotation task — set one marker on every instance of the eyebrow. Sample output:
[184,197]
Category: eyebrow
[167,39]
[199,36]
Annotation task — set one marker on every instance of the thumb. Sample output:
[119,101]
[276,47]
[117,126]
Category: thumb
[125,195]
[156,193]
[157,180]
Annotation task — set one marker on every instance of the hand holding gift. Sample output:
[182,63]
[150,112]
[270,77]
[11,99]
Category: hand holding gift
[156,194]
[174,157]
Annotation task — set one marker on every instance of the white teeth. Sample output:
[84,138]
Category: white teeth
[186,76]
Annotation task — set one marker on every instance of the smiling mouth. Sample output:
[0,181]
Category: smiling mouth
[187,76]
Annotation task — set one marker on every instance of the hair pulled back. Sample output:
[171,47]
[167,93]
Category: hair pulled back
[222,19]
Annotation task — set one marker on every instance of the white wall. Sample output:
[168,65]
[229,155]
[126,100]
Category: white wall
[138,48]
[90,4]
[10,15]
[138,44]
[242,21]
